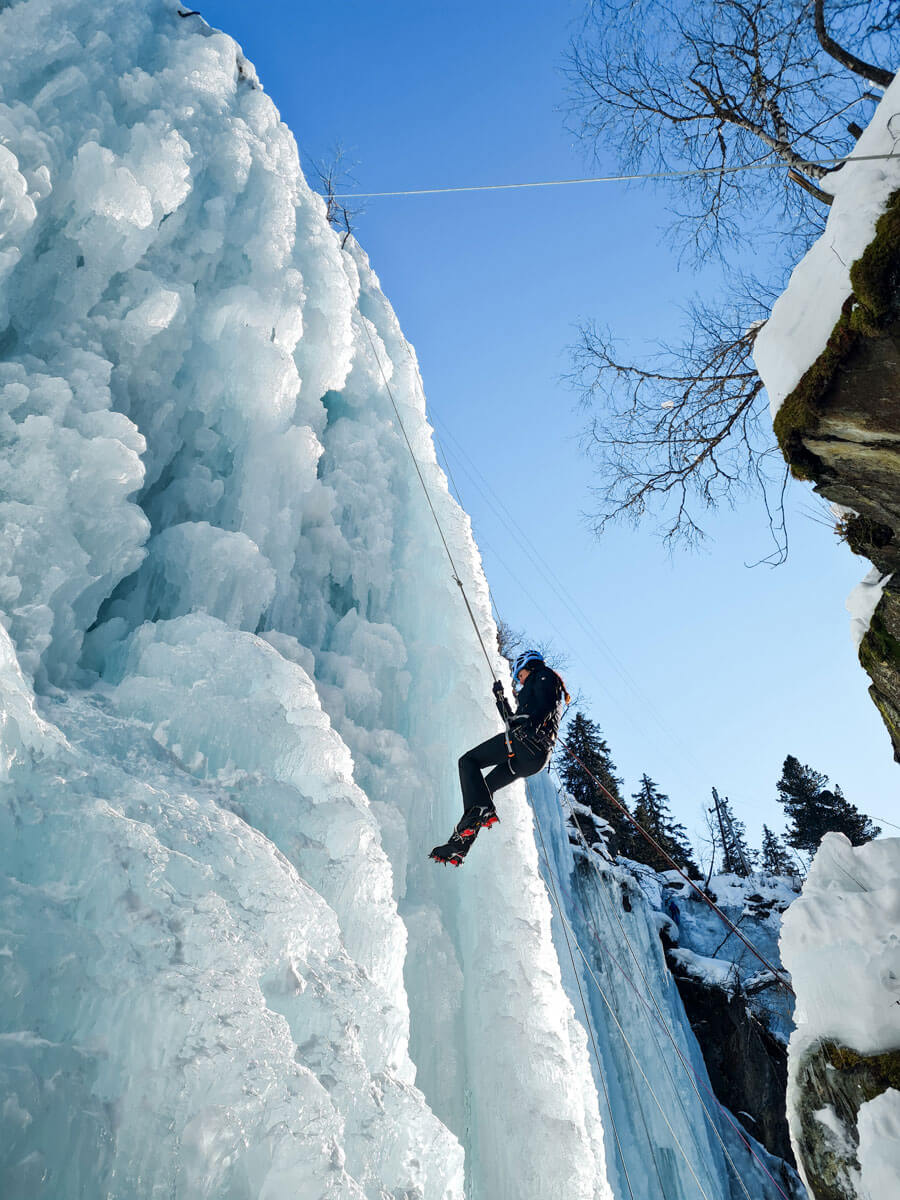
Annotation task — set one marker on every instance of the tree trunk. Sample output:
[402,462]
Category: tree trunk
[809,186]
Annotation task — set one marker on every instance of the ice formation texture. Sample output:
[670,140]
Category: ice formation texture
[226,745]
[666,1133]
[236,674]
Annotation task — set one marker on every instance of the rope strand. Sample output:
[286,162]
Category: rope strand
[566,925]
[609,1006]
[456,578]
[776,974]
[692,1075]
[544,183]
[781,979]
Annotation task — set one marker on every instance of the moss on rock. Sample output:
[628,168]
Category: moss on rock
[872,1073]
[840,428]
[798,416]
[841,1079]
[875,300]
[875,276]
[879,646]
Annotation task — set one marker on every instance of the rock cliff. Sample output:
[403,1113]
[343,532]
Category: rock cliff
[840,429]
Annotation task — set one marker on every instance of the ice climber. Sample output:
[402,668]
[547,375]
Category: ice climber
[524,749]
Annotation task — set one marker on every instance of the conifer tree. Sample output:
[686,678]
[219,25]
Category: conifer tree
[587,743]
[815,809]
[774,859]
[651,811]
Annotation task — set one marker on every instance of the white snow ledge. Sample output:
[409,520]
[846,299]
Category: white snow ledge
[807,311]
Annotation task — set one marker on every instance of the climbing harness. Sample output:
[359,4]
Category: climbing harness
[515,533]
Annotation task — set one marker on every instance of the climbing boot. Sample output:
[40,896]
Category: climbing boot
[453,851]
[479,816]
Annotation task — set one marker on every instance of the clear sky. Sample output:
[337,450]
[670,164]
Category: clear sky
[699,670]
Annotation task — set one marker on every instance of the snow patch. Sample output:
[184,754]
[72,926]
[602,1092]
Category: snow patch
[879,1146]
[848,913]
[862,602]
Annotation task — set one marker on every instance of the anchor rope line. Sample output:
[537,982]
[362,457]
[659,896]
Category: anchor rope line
[592,921]
[567,929]
[456,578]
[565,921]
[692,1075]
[658,1017]
[776,974]
[694,173]
[694,1078]
[590,1028]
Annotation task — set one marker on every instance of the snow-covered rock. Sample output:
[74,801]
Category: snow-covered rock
[842,946]
[828,358]
[805,314]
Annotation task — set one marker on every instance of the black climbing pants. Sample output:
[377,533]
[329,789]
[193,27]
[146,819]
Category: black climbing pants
[478,788]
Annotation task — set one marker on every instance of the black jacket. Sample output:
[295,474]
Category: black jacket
[540,703]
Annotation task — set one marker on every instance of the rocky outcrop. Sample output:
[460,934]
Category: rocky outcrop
[747,1065]
[840,429]
[831,1084]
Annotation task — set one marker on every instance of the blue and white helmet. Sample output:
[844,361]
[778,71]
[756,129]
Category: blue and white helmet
[527,659]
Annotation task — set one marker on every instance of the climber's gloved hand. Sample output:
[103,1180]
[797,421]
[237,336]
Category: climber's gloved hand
[498,690]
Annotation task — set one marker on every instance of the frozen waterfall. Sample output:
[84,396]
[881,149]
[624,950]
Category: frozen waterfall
[236,675]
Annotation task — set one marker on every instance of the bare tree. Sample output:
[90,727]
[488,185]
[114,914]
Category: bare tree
[705,87]
[509,641]
[711,85]
[334,178]
[688,429]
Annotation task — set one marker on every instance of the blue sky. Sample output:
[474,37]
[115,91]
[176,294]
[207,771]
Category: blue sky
[700,671]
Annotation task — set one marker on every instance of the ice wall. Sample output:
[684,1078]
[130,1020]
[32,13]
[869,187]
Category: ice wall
[667,1136]
[236,675]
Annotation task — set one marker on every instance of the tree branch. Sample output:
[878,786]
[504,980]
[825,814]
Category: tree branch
[844,57]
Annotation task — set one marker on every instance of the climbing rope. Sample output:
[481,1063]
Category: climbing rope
[565,922]
[455,573]
[777,975]
[692,1075]
[566,926]
[695,173]
[551,877]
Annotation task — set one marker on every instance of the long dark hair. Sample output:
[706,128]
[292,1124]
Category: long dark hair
[556,675]
[562,683]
